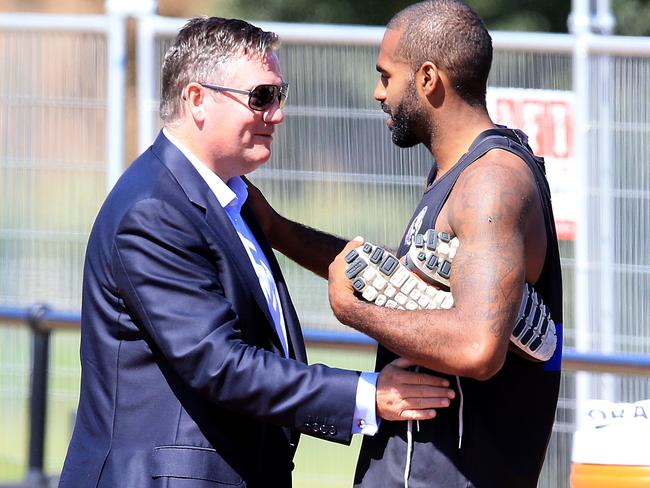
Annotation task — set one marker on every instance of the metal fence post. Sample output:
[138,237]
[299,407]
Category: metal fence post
[580,26]
[146,73]
[603,23]
[118,12]
[36,477]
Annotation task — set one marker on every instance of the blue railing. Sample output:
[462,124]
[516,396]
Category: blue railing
[43,317]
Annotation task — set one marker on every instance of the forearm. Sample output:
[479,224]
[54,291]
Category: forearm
[422,336]
[310,248]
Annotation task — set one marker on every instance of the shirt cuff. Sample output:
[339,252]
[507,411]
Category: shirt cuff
[365,417]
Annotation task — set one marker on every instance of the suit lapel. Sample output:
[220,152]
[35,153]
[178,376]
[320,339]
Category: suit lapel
[225,238]
[294,332]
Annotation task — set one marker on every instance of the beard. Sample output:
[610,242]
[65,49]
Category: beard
[410,123]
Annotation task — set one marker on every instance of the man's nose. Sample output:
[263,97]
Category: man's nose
[274,115]
[380,92]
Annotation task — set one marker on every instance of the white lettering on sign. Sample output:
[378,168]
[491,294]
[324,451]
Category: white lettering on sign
[546,117]
[547,123]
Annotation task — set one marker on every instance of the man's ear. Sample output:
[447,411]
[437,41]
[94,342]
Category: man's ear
[194,99]
[433,83]
[429,78]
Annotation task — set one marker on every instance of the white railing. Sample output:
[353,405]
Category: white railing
[114,28]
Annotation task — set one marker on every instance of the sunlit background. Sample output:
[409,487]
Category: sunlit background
[78,101]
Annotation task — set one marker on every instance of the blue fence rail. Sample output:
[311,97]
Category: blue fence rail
[42,320]
[40,317]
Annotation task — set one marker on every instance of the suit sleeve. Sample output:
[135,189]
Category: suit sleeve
[172,287]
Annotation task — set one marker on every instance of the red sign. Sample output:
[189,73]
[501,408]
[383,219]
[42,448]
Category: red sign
[546,117]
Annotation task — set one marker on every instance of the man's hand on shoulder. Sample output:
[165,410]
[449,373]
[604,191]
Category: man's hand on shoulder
[407,395]
[267,217]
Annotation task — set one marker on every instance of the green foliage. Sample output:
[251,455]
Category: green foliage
[369,12]
[498,14]
[524,15]
[632,16]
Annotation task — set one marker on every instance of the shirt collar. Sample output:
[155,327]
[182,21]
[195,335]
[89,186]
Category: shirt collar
[231,195]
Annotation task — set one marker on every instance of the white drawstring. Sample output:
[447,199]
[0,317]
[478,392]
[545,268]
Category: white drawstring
[409,444]
[409,452]
[409,433]
[460,414]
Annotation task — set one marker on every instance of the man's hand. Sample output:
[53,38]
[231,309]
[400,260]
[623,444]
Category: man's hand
[405,395]
[340,291]
[267,217]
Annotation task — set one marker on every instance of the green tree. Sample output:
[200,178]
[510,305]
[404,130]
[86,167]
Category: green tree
[498,14]
[632,16]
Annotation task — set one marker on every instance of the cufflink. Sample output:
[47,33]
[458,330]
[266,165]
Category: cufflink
[361,423]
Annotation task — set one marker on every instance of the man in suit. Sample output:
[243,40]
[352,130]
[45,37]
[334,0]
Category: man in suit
[193,363]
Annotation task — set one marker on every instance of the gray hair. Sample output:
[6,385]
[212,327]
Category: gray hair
[452,36]
[203,51]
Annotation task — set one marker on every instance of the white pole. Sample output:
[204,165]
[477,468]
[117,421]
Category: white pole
[145,80]
[604,23]
[118,12]
[580,27]
[116,97]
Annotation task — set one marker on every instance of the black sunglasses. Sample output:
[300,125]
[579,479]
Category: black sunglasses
[260,98]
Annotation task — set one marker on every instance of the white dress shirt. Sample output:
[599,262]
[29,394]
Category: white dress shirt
[231,197]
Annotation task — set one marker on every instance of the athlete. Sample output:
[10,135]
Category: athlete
[489,190]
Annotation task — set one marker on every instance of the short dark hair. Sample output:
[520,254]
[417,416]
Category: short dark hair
[203,51]
[452,36]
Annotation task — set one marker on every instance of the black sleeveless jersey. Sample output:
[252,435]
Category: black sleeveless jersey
[495,433]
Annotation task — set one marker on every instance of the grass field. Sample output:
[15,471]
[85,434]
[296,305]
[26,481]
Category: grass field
[319,464]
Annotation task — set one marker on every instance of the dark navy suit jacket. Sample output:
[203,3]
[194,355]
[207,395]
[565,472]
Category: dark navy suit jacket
[183,384]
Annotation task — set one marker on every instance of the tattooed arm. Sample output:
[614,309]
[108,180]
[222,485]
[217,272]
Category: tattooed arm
[489,210]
